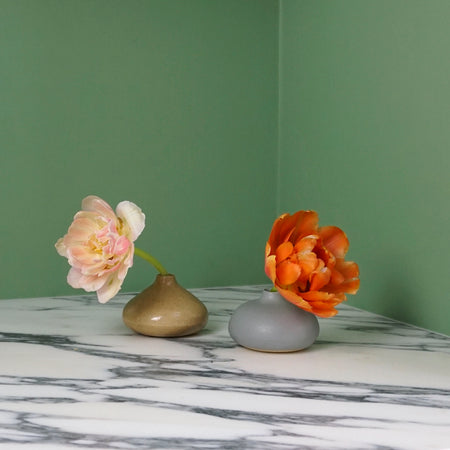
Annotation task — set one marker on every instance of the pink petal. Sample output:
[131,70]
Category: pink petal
[80,230]
[83,255]
[89,283]
[121,246]
[92,269]
[61,248]
[97,205]
[109,289]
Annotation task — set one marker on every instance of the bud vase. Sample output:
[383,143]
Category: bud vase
[272,324]
[165,309]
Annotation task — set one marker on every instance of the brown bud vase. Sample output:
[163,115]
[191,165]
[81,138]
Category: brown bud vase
[165,309]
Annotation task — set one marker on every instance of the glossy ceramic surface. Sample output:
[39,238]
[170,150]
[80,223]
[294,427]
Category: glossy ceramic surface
[165,309]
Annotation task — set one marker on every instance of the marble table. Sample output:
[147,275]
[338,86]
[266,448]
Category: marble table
[72,376]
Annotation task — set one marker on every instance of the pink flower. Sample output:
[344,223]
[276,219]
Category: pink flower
[99,245]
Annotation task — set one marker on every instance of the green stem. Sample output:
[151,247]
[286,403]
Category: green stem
[274,289]
[152,260]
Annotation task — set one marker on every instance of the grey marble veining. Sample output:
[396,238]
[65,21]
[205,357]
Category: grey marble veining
[72,376]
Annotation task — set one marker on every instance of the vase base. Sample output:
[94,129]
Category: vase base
[166,332]
[264,350]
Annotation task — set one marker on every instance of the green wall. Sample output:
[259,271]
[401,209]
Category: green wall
[214,116]
[364,140]
[171,104]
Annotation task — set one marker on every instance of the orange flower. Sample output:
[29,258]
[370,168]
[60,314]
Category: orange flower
[306,263]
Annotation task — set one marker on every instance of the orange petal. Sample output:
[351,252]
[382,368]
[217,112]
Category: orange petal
[323,303]
[287,227]
[306,244]
[335,240]
[336,277]
[325,312]
[348,286]
[326,304]
[320,279]
[351,287]
[317,296]
[345,278]
[292,297]
[308,263]
[348,269]
[287,272]
[281,229]
[305,224]
[270,267]
[324,308]
[284,251]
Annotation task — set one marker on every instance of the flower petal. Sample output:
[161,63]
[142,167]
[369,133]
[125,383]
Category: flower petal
[320,279]
[305,224]
[307,265]
[81,254]
[317,296]
[345,278]
[126,264]
[109,289]
[306,244]
[284,251]
[89,283]
[294,298]
[121,246]
[323,303]
[308,262]
[81,229]
[133,217]
[335,240]
[61,248]
[98,205]
[325,312]
[348,286]
[348,269]
[277,235]
[287,272]
[271,268]
[98,246]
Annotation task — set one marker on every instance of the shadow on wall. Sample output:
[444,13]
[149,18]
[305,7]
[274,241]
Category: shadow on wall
[399,296]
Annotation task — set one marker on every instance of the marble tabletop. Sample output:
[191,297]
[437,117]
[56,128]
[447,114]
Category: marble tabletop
[72,376]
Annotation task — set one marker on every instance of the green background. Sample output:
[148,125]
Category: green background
[365,141]
[214,116]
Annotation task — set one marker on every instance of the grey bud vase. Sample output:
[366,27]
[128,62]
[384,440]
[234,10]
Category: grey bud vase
[165,309]
[272,324]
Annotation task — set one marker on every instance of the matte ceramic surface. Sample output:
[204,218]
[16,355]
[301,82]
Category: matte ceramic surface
[165,309]
[73,376]
[272,324]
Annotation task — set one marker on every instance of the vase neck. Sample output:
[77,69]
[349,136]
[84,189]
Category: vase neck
[271,296]
[166,280]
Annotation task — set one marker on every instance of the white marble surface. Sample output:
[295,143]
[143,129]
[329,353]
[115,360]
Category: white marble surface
[72,376]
